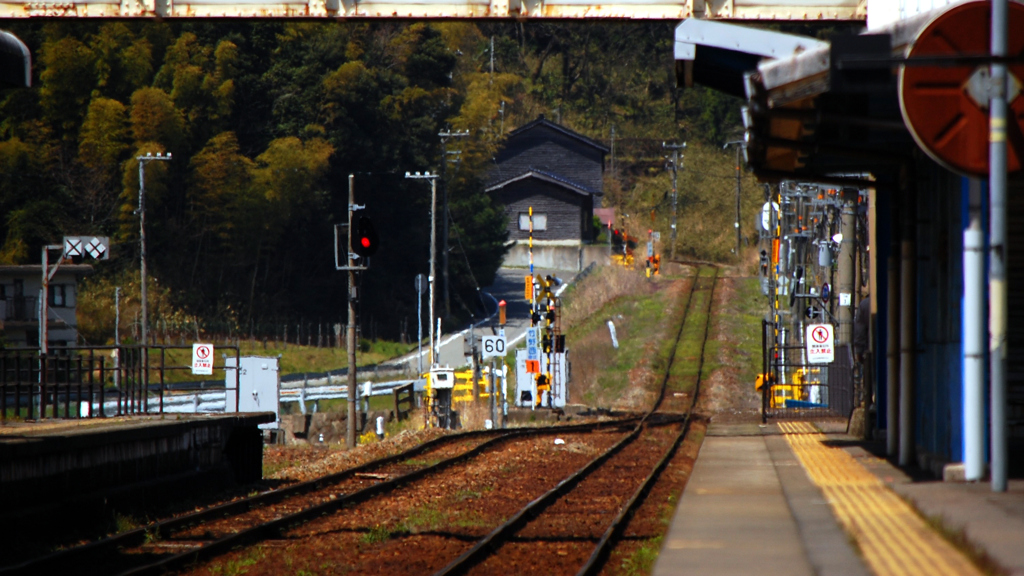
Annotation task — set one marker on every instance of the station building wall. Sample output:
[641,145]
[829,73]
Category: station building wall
[940,212]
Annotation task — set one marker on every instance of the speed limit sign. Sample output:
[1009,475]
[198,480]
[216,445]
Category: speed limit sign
[493,346]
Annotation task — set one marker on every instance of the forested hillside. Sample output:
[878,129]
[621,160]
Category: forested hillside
[266,120]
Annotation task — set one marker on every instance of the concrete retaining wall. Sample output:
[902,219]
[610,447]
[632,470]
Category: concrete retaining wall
[557,257]
[45,469]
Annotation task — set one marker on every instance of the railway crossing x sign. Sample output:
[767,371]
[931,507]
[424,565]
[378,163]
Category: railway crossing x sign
[97,247]
[820,346]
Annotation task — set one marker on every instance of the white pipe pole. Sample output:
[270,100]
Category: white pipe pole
[973,320]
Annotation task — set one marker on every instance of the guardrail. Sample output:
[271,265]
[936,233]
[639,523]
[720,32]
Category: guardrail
[214,400]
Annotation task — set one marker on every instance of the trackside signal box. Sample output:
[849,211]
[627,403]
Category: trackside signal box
[527,395]
[259,387]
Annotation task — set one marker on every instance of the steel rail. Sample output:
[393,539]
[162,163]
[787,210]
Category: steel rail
[483,547]
[279,525]
[162,529]
[604,546]
[489,543]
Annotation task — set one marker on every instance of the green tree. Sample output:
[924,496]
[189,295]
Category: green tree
[102,148]
[68,78]
[124,61]
[154,118]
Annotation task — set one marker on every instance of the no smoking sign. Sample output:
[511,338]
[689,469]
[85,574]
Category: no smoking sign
[202,359]
[820,346]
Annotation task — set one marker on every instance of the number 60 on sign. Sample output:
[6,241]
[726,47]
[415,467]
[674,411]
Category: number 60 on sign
[493,346]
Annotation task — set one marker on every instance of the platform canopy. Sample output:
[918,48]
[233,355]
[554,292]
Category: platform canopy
[777,10]
[807,116]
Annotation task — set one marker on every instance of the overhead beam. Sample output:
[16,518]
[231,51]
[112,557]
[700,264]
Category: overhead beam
[779,10]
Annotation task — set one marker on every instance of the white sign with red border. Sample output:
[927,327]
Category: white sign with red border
[820,346]
[202,359]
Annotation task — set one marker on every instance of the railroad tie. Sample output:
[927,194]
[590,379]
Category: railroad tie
[893,539]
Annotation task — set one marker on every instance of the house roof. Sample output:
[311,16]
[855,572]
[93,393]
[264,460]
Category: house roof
[542,121]
[545,177]
[37,269]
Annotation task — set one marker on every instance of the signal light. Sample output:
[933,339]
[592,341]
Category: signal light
[365,242]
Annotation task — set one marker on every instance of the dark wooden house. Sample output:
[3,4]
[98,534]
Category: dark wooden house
[557,172]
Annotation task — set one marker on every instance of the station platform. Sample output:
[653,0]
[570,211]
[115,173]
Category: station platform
[802,498]
[53,465]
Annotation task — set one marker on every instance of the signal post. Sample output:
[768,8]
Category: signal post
[364,246]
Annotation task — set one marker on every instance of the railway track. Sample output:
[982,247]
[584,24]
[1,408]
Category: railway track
[581,493]
[565,520]
[176,542]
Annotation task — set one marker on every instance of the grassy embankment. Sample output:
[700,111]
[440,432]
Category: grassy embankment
[645,313]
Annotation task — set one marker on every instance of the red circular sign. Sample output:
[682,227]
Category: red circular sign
[819,335]
[942,116]
[203,352]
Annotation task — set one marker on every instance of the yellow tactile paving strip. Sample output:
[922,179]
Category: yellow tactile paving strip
[891,536]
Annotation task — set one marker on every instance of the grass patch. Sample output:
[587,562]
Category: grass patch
[271,468]
[603,375]
[376,535]
[294,359]
[641,561]
[425,518]
[741,319]
[463,495]
[125,523]
[421,461]
[441,516]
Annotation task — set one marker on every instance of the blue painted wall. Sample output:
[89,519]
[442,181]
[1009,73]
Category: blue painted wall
[939,288]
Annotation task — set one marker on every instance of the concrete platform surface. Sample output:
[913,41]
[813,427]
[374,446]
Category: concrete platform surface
[790,499]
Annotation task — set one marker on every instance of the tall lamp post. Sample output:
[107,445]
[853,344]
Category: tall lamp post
[149,157]
[740,144]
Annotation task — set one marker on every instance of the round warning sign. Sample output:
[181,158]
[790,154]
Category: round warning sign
[820,346]
[202,359]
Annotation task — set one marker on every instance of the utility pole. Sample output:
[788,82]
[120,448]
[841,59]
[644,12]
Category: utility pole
[433,248]
[445,135]
[142,245]
[675,148]
[847,261]
[739,148]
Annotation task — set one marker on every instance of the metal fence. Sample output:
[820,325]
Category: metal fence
[97,381]
[799,390]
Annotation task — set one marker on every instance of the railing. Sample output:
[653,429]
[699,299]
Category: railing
[405,401]
[802,390]
[92,382]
